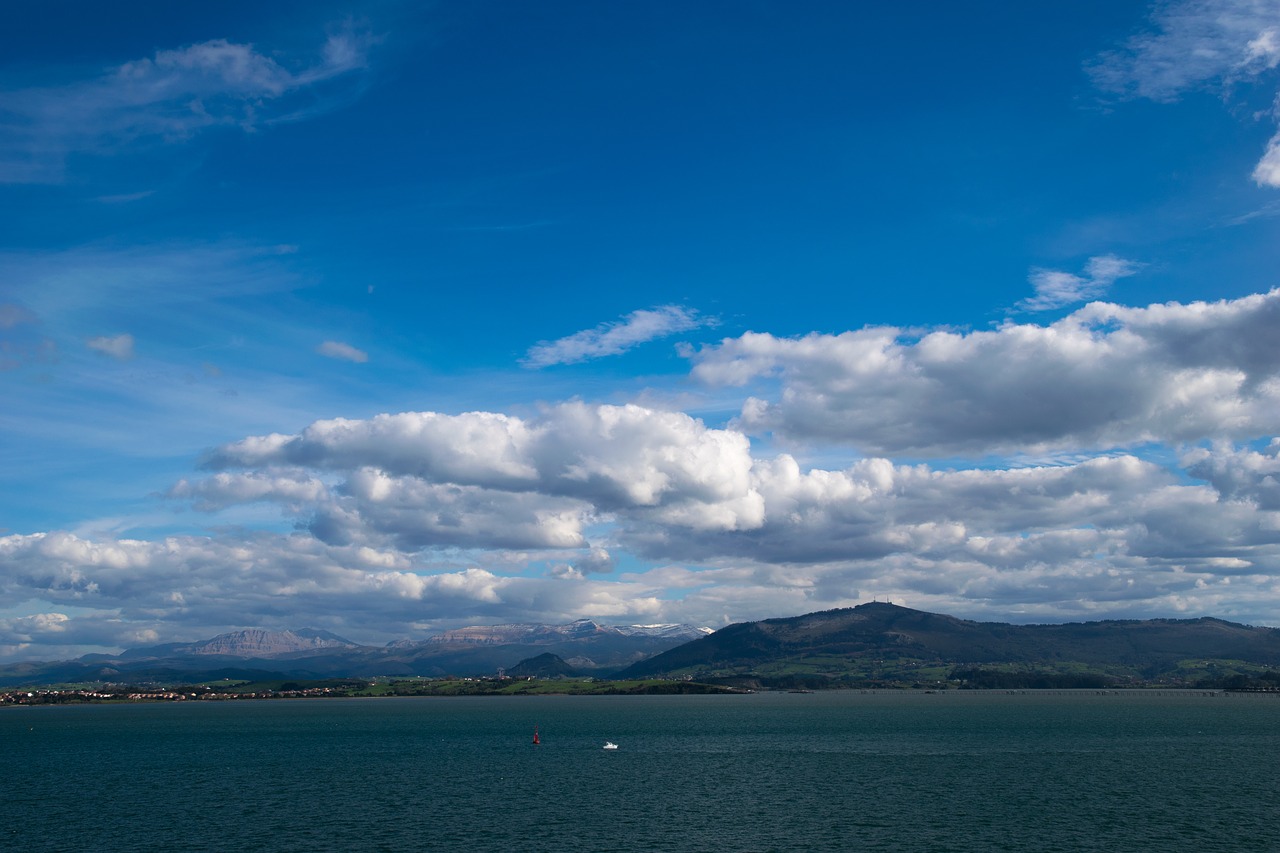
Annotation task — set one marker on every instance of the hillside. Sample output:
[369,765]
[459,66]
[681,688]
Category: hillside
[888,642]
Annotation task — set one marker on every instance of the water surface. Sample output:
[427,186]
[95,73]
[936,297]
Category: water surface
[880,771]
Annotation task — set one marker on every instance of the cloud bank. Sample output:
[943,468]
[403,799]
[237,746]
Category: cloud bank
[402,519]
[381,518]
[1105,376]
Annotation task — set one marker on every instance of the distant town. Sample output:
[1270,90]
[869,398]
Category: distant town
[231,691]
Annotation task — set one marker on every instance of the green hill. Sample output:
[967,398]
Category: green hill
[881,642]
[544,665]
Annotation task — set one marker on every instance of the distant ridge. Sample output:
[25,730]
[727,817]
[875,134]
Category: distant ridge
[862,637]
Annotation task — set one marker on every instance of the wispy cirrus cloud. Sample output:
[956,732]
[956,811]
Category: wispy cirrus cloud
[1055,288]
[638,327]
[1197,44]
[1192,44]
[342,352]
[169,97]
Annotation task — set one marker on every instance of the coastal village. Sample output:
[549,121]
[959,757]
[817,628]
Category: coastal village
[55,696]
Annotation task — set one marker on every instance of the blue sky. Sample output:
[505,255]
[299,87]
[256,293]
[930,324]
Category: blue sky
[389,318]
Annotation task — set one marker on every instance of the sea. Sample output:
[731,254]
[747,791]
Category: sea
[841,770]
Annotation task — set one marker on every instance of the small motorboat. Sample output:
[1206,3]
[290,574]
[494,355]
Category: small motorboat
[610,745]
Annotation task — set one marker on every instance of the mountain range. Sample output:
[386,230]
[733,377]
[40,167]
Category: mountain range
[875,643]
[251,643]
[585,645]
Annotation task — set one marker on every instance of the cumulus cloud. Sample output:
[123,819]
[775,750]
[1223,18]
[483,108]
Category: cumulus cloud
[420,480]
[1054,288]
[344,352]
[1196,44]
[169,97]
[595,561]
[115,346]
[291,488]
[1104,376]
[673,490]
[1120,511]
[1240,473]
[615,457]
[615,338]
[409,514]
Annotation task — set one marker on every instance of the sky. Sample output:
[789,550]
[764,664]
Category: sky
[390,317]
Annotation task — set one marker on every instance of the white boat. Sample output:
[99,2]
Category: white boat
[610,745]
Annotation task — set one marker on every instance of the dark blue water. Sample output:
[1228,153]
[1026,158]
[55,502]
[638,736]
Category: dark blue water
[826,771]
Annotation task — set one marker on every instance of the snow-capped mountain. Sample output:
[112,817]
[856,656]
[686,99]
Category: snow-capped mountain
[582,628]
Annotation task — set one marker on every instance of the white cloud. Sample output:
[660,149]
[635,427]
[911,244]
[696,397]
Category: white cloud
[1240,474]
[409,514]
[1103,376]
[341,351]
[1129,529]
[607,339]
[293,488]
[1119,511]
[167,98]
[483,480]
[1263,51]
[1055,289]
[116,346]
[615,457]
